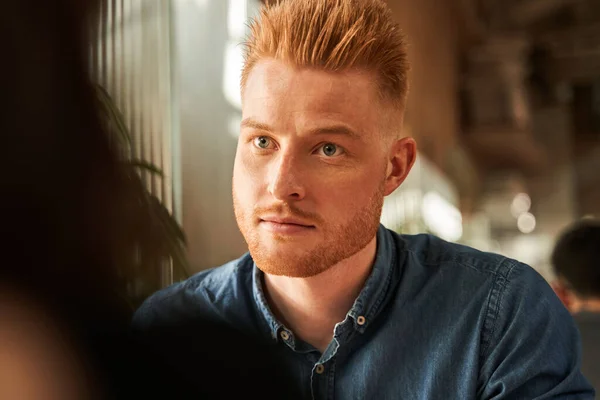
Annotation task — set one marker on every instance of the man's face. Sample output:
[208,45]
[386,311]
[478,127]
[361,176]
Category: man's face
[310,169]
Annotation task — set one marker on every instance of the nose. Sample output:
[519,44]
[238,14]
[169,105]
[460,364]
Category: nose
[285,183]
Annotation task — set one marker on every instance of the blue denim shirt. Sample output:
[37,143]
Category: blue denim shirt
[434,320]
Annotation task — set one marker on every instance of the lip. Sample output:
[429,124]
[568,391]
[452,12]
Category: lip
[285,225]
[286,220]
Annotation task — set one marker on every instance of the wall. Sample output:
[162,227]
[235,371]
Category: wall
[432,112]
[207,148]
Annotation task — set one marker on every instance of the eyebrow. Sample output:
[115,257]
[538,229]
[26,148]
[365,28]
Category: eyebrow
[250,123]
[338,129]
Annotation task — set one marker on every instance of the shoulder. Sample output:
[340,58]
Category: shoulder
[201,297]
[433,252]
[528,342]
[506,276]
[502,285]
[515,299]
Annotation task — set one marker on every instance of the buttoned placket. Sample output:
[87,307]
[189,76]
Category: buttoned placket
[323,372]
[365,309]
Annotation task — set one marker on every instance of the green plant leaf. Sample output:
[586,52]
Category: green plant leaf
[179,258]
[155,236]
[113,113]
[174,235]
[168,220]
[146,166]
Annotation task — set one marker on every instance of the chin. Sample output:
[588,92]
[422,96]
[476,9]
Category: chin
[286,260]
[282,243]
[279,268]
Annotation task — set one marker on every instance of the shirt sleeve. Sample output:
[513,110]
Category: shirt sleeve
[530,346]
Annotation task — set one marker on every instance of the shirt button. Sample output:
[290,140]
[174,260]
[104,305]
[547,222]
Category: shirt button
[361,320]
[284,335]
[320,369]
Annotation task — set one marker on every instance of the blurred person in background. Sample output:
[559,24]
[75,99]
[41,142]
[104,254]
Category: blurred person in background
[61,188]
[67,207]
[356,310]
[576,261]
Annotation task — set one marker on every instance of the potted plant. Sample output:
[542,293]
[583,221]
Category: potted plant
[154,242]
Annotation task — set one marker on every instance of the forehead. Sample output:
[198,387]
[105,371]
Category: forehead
[278,93]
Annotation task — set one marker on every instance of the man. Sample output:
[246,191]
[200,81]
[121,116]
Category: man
[575,260]
[357,311]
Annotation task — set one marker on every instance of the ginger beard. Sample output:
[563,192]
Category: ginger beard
[331,242]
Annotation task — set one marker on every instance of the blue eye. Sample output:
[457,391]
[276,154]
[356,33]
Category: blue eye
[262,142]
[330,150]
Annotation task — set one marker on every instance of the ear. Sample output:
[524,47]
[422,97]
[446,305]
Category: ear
[402,156]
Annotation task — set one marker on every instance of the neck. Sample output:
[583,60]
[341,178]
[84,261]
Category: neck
[311,307]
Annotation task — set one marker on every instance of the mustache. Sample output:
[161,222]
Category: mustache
[287,210]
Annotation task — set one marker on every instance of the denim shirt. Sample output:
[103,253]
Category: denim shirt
[434,320]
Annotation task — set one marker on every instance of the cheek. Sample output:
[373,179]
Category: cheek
[345,193]
[247,179]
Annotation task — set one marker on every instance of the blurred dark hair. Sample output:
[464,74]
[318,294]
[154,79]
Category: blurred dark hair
[62,184]
[576,257]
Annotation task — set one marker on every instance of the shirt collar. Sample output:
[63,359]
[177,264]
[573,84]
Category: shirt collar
[371,298]
[261,301]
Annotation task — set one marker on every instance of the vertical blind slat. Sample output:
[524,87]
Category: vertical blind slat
[113,51]
[130,58]
[103,36]
[164,98]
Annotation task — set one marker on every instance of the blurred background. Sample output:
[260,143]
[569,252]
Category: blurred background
[504,105]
